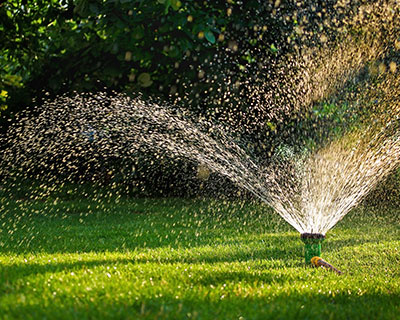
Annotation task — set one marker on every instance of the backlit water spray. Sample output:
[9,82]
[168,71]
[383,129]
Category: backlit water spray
[312,185]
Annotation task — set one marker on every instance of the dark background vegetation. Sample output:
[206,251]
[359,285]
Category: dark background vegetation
[153,47]
[175,50]
[184,52]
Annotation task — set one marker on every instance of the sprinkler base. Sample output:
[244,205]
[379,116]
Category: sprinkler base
[312,245]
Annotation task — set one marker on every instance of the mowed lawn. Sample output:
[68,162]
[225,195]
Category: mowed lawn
[190,259]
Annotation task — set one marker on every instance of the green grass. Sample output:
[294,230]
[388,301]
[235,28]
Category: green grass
[190,259]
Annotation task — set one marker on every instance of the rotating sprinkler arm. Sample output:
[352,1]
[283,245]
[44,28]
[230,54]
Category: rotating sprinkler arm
[319,262]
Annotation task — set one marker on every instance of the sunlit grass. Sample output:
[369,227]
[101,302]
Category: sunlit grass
[180,259]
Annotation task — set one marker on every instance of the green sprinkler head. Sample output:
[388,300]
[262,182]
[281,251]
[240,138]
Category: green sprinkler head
[312,245]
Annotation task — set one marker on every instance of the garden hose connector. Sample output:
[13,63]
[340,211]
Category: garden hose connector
[319,262]
[312,245]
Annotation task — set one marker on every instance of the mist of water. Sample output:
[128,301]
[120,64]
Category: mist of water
[311,185]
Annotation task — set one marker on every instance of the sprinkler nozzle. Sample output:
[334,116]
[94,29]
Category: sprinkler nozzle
[319,262]
[312,236]
[312,245]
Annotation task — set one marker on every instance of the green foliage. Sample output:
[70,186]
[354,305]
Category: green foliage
[155,47]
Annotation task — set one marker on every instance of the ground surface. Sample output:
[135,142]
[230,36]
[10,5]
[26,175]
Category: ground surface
[181,259]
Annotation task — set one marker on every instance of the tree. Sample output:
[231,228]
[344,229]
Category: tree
[158,47]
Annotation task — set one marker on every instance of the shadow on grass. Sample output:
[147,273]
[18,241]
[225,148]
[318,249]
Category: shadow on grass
[207,276]
[129,230]
[57,236]
[195,255]
[243,248]
[53,239]
[133,232]
[283,305]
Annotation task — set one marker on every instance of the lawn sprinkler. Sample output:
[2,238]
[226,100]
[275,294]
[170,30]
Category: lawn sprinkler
[312,251]
[319,262]
[312,245]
